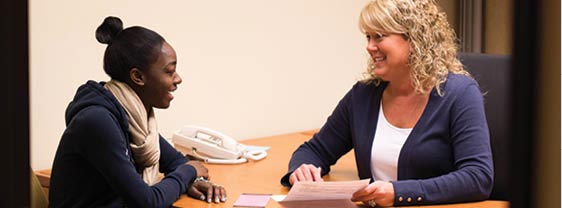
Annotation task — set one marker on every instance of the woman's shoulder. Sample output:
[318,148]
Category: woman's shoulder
[457,82]
[362,92]
[368,87]
[93,103]
[94,117]
[460,87]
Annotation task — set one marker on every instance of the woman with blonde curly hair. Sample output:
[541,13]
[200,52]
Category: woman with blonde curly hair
[416,122]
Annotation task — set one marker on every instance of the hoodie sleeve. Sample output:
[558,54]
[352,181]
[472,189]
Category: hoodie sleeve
[170,158]
[104,146]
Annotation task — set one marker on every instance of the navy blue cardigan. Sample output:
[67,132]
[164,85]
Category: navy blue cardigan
[94,167]
[446,158]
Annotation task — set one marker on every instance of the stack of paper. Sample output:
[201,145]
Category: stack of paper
[321,194]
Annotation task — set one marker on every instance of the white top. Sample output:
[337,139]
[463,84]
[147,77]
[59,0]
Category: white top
[387,144]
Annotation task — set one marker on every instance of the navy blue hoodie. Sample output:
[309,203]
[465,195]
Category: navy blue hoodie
[94,167]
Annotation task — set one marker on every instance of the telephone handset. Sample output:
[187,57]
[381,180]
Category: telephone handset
[212,146]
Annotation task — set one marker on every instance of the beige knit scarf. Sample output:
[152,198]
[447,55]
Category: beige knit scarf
[143,129]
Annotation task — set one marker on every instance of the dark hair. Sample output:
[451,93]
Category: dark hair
[133,47]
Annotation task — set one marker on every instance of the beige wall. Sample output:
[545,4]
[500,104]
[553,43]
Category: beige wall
[547,176]
[250,68]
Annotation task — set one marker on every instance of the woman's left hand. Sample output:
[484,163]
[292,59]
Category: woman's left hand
[207,191]
[377,193]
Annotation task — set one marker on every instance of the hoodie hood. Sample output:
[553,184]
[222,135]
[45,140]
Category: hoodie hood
[94,94]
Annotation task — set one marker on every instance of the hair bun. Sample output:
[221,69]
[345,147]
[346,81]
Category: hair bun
[109,29]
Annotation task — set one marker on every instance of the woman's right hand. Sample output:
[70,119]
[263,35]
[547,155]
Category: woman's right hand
[201,170]
[306,172]
[207,191]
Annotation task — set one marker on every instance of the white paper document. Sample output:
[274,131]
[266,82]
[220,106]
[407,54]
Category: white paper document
[330,190]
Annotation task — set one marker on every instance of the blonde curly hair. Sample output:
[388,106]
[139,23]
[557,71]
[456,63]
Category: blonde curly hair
[433,50]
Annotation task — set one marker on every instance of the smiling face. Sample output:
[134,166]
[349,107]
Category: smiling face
[389,53]
[160,80]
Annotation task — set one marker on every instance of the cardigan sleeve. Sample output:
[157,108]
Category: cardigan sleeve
[329,144]
[105,148]
[472,177]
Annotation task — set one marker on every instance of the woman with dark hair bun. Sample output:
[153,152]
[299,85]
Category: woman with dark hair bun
[111,154]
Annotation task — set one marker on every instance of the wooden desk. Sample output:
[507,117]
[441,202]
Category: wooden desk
[262,177]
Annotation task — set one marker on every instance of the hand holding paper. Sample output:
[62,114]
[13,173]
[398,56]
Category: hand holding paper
[379,192]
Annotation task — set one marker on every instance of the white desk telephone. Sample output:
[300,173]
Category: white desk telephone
[212,146]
